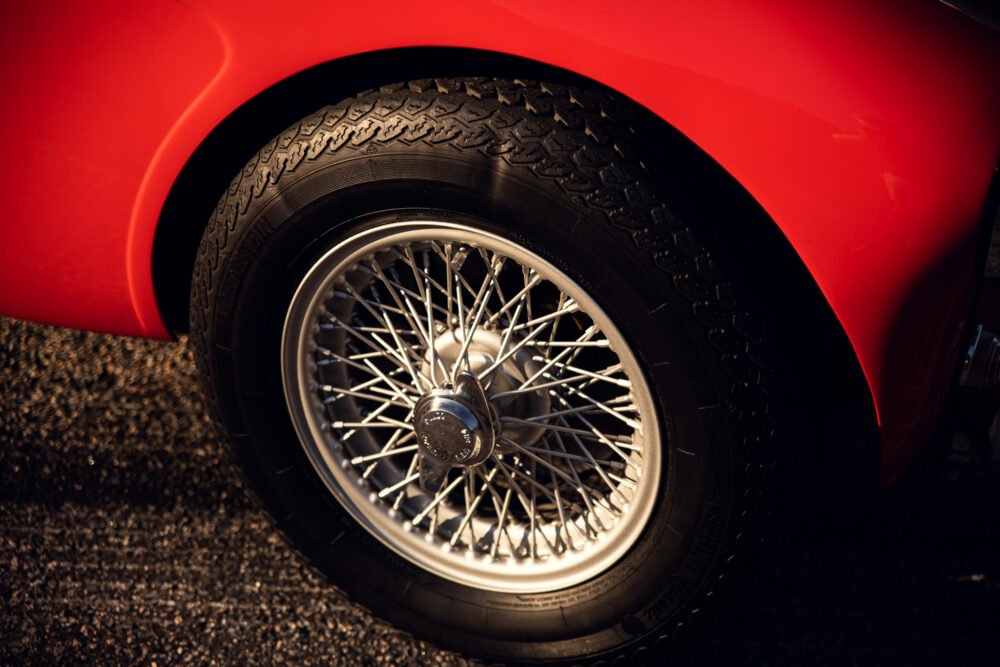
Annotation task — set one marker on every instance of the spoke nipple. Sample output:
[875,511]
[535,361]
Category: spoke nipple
[458,259]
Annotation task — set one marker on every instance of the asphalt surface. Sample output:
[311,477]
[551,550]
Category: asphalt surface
[126,538]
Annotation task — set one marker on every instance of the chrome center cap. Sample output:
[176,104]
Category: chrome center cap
[448,430]
[455,426]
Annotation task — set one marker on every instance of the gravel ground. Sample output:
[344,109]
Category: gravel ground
[126,538]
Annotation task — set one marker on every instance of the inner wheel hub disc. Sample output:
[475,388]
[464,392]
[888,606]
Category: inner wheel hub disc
[471,406]
[483,350]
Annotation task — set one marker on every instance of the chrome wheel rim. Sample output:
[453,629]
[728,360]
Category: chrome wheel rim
[402,313]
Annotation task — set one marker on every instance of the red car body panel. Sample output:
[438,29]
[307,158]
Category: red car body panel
[867,130]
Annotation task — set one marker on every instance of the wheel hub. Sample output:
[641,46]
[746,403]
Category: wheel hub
[483,349]
[456,426]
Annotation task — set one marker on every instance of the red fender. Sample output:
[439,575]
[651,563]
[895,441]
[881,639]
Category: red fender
[867,130]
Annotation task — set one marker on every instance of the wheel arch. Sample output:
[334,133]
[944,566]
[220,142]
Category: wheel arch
[780,276]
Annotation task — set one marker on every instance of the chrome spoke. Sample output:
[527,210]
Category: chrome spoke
[398,486]
[394,386]
[403,306]
[574,457]
[584,409]
[367,420]
[592,433]
[572,308]
[526,500]
[601,375]
[513,350]
[470,508]
[617,445]
[429,305]
[341,392]
[502,523]
[441,495]
[603,406]
[469,330]
[383,422]
[381,455]
[587,335]
[517,299]
[578,485]
[373,340]
[398,437]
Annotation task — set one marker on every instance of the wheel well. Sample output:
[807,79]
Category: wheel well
[696,183]
[225,151]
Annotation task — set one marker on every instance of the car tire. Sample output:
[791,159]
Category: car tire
[289,312]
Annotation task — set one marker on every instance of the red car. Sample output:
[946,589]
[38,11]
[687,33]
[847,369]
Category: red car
[517,313]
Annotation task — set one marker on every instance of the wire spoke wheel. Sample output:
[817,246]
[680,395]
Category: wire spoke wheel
[485,377]
[548,483]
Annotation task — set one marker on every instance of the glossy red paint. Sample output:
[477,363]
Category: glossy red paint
[867,130]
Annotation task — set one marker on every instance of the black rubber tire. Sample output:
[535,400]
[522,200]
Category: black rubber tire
[558,170]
